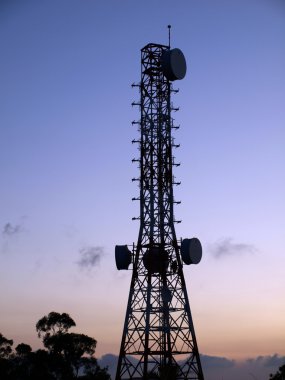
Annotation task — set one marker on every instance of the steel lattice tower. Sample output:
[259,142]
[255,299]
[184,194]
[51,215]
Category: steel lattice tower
[158,336]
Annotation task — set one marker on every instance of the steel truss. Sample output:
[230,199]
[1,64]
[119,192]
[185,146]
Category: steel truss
[158,335]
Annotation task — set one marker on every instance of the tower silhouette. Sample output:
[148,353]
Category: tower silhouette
[158,338]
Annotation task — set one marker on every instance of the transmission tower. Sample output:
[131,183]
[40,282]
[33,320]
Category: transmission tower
[158,338]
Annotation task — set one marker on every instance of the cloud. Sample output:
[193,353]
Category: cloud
[10,234]
[216,362]
[226,247]
[208,362]
[218,367]
[268,361]
[274,361]
[90,257]
[10,230]
[110,361]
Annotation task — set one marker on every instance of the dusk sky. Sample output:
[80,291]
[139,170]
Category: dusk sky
[66,70]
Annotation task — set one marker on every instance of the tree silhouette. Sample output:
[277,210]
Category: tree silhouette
[71,347]
[73,351]
[5,356]
[23,349]
[279,375]
[67,355]
[54,323]
[5,347]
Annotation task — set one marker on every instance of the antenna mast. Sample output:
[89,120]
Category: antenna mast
[158,335]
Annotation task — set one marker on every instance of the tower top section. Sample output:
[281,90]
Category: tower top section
[172,62]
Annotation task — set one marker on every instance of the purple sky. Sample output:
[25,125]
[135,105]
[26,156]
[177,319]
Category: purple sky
[65,161]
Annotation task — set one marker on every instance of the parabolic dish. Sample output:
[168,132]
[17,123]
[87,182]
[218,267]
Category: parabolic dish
[123,257]
[173,64]
[191,251]
[155,260]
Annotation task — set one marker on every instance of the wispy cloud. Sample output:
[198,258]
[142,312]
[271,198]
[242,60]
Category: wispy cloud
[11,230]
[10,233]
[90,257]
[227,247]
